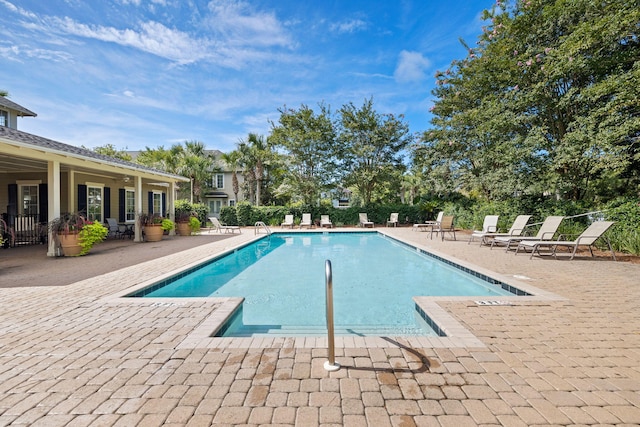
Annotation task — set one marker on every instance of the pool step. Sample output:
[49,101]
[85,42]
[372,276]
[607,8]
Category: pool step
[289,331]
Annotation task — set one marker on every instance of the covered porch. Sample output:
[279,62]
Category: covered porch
[41,178]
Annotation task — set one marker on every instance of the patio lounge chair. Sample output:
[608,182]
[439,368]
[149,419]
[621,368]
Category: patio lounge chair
[364,220]
[489,225]
[428,224]
[325,221]
[288,221]
[306,220]
[517,228]
[220,227]
[587,238]
[546,232]
[445,226]
[393,220]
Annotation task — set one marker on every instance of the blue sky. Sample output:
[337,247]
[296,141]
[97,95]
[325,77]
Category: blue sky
[149,73]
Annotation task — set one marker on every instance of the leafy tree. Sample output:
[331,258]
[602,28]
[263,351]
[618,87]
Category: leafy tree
[544,103]
[371,150]
[4,93]
[307,140]
[111,151]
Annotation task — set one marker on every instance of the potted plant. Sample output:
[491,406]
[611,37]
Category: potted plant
[183,226]
[154,226]
[90,234]
[194,225]
[183,213]
[75,234]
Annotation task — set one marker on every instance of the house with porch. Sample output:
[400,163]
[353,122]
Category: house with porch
[41,178]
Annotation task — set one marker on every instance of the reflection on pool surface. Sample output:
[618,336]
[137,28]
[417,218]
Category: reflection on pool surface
[282,279]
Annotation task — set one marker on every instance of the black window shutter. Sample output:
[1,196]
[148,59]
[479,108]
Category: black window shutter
[107,203]
[121,202]
[150,194]
[164,205]
[82,199]
[43,197]
[12,209]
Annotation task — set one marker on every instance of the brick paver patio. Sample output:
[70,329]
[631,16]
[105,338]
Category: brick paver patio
[76,355]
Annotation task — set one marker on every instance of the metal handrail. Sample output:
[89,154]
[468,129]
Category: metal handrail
[330,364]
[260,224]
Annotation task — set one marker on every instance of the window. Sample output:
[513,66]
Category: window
[94,203]
[232,202]
[29,197]
[129,205]
[4,118]
[157,203]
[218,181]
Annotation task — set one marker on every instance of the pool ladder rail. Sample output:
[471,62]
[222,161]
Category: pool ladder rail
[330,365]
[259,226]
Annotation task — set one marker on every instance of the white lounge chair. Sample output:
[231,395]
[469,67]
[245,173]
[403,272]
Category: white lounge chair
[364,221]
[288,221]
[517,228]
[489,225]
[306,220]
[220,227]
[393,219]
[587,238]
[546,232]
[428,224]
[325,221]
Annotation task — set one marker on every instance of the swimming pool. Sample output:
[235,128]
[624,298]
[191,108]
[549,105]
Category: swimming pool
[282,280]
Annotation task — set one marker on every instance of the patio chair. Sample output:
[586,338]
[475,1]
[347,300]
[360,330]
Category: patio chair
[445,226]
[517,228]
[364,220]
[588,237]
[219,227]
[114,228]
[288,221]
[325,221]
[306,220]
[393,219]
[546,232]
[428,224]
[489,225]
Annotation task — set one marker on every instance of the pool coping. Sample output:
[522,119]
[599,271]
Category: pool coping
[457,335]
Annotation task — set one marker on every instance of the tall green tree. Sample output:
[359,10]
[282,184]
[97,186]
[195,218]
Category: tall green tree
[255,154]
[543,104]
[371,151]
[307,140]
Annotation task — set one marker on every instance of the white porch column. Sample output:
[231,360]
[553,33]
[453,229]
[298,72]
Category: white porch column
[53,208]
[172,204]
[138,207]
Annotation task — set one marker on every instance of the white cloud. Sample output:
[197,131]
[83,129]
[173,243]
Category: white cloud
[153,38]
[350,26]
[240,25]
[412,67]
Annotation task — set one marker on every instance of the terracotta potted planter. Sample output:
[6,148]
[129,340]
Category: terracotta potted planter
[70,244]
[183,228]
[153,232]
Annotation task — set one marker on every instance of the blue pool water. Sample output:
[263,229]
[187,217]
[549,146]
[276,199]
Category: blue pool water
[282,278]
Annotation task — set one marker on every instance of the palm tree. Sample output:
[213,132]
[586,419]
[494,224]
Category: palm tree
[195,163]
[232,159]
[255,154]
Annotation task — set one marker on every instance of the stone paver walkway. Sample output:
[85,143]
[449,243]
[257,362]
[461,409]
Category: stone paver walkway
[76,356]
